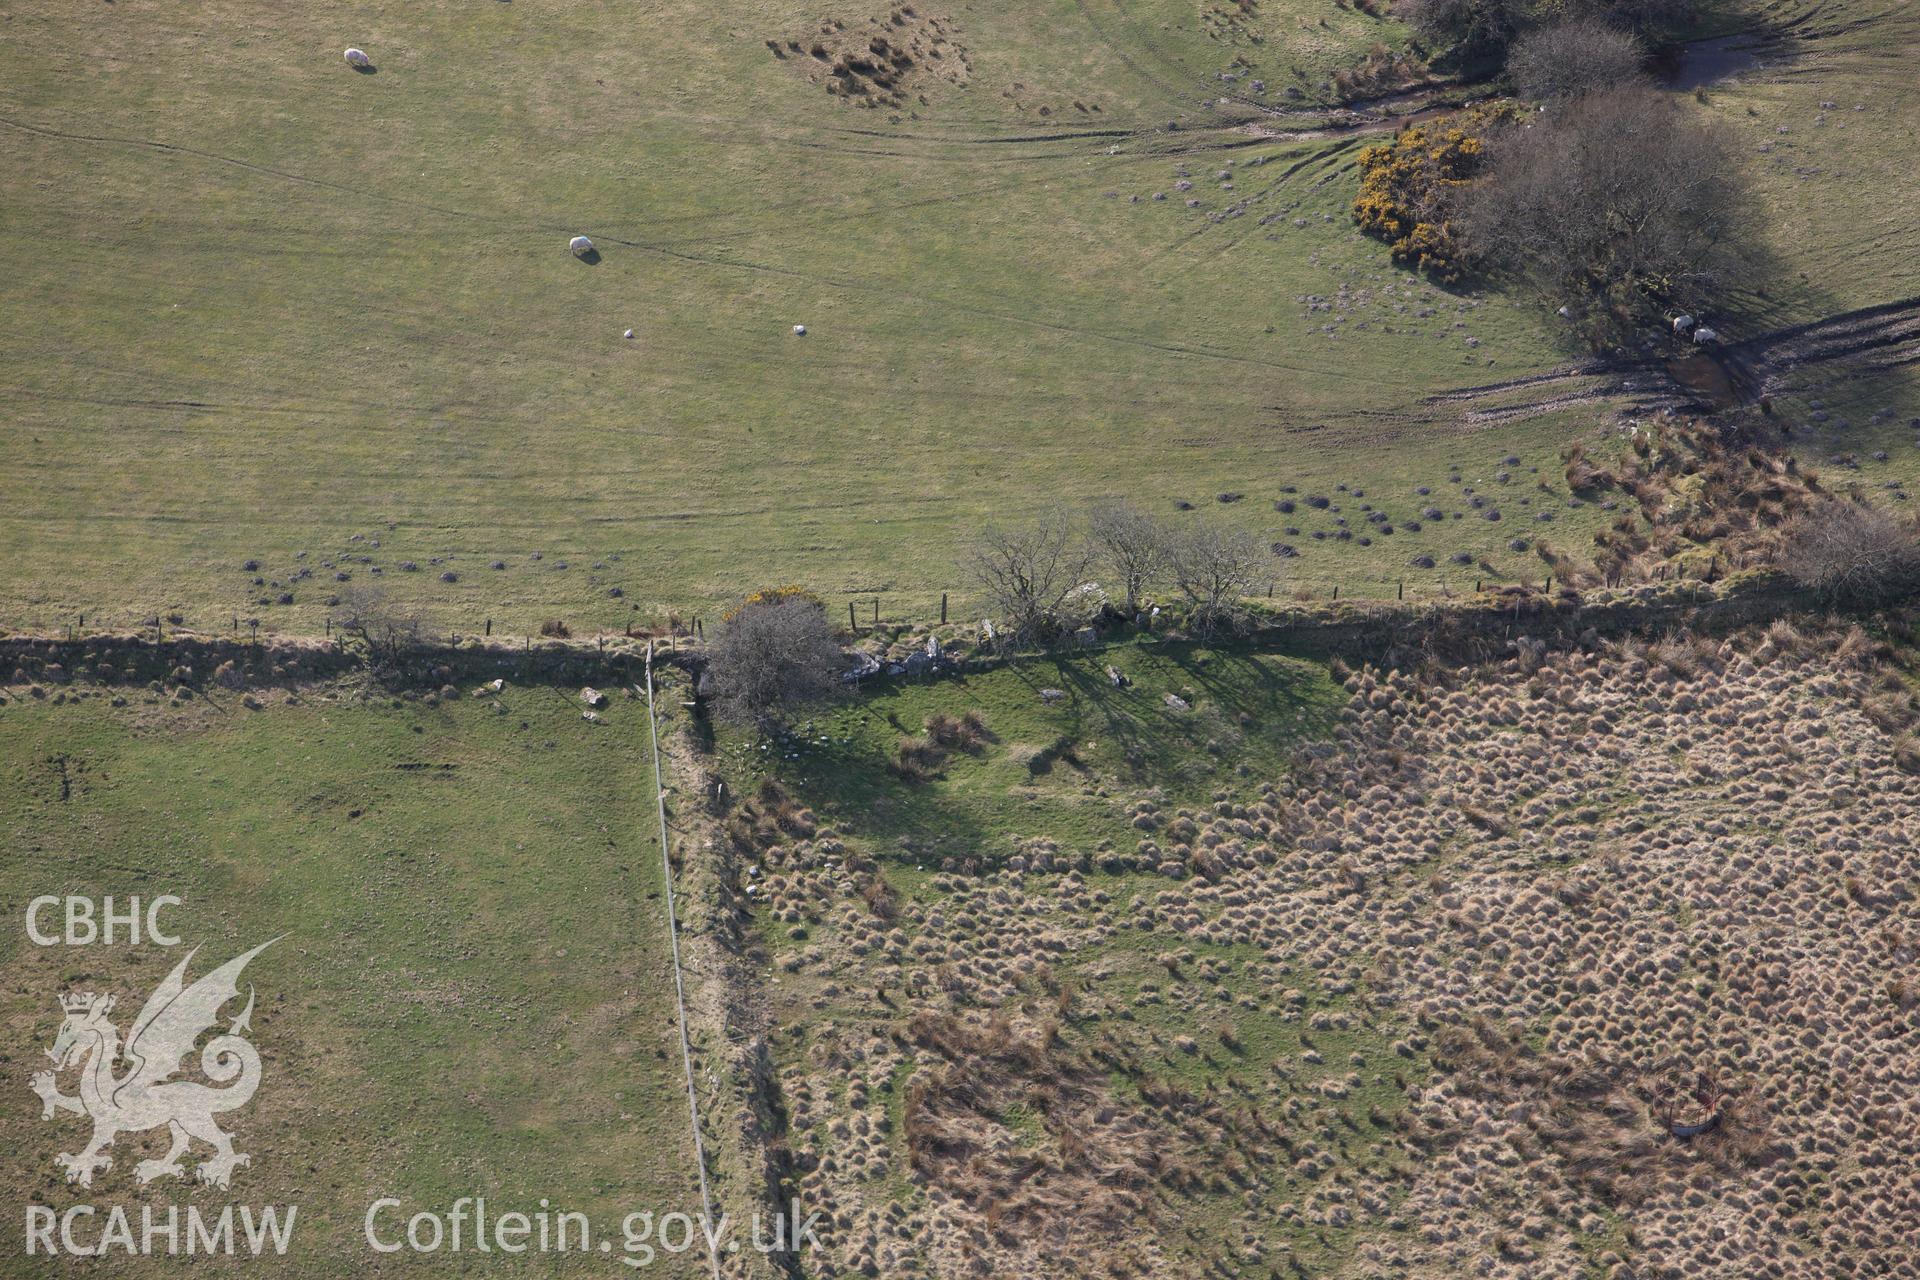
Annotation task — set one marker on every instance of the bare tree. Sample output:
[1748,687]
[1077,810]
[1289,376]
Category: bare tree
[1215,568]
[386,630]
[772,657]
[1580,56]
[1480,28]
[1608,200]
[1475,26]
[1851,553]
[1130,545]
[1650,17]
[1031,575]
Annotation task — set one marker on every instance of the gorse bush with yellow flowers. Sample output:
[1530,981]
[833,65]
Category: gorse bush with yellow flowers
[1408,187]
[774,595]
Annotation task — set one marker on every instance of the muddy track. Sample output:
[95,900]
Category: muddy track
[1871,339]
[1642,388]
[1884,336]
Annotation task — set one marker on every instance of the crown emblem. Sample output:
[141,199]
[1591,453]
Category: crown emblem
[85,1002]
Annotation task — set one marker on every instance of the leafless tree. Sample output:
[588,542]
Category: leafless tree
[1851,553]
[1216,568]
[1610,199]
[1644,16]
[1130,545]
[386,629]
[1576,57]
[771,658]
[1485,27]
[1031,576]
[1475,26]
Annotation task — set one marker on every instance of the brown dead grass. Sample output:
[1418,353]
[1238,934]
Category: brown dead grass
[1082,1176]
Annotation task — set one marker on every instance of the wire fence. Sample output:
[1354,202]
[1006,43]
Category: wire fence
[864,612]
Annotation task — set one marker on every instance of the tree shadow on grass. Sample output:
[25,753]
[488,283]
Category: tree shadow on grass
[971,805]
[854,786]
[1159,742]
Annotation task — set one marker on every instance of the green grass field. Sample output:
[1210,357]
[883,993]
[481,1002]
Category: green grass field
[260,305]
[471,995]
[1064,769]
[1829,124]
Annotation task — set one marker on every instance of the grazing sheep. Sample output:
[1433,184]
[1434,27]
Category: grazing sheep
[1682,323]
[580,246]
[799,331]
[358,58]
[1704,334]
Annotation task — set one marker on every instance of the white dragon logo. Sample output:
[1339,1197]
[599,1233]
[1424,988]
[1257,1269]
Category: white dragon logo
[173,1018]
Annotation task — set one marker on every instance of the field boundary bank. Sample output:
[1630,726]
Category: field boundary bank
[1464,627]
[708,1224]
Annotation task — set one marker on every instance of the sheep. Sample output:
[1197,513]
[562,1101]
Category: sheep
[799,331]
[1704,334]
[580,246]
[358,58]
[1682,323]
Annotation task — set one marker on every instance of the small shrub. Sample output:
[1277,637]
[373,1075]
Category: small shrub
[773,656]
[1850,553]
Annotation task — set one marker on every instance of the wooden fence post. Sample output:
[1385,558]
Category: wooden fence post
[943,608]
[851,624]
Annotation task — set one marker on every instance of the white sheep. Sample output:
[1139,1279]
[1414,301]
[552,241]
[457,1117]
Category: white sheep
[1704,334]
[799,331]
[358,58]
[580,245]
[1682,323]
